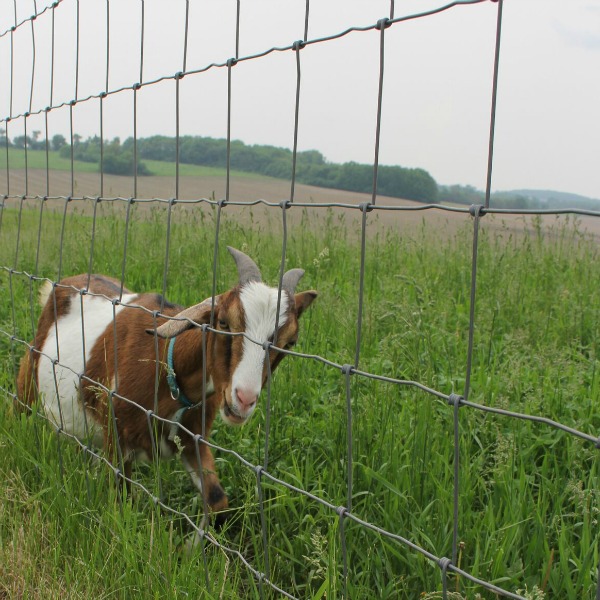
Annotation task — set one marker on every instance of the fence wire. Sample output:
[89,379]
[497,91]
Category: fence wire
[13,198]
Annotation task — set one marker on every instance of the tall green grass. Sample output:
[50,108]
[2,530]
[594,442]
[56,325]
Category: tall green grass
[529,498]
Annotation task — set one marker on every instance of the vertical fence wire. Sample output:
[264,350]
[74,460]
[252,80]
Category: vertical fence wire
[237,29]
[306,18]
[167,252]
[365,208]
[136,87]
[263,521]
[346,372]
[185,36]
[59,428]
[488,185]
[476,211]
[101,125]
[142,31]
[341,511]
[204,512]
[284,239]
[63,225]
[92,241]
[456,479]
[76,96]
[86,428]
[177,134]
[12,64]
[298,47]
[33,55]
[52,51]
[382,24]
[7,145]
[35,268]
[125,246]
[72,140]
[230,63]
[25,145]
[47,151]
[106,87]
[11,293]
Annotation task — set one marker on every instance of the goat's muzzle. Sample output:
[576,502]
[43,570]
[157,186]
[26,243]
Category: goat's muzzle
[230,415]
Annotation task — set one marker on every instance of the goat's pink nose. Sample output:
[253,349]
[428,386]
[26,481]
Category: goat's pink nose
[246,398]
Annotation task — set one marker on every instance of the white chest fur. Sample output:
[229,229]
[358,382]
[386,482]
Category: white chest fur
[71,342]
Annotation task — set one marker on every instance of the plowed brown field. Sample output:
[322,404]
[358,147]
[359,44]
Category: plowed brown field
[247,189]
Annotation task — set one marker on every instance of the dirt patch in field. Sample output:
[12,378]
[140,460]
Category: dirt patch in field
[251,189]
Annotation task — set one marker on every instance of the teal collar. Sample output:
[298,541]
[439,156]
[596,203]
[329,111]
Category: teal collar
[176,392]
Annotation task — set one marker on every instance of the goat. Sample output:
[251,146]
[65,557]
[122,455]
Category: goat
[64,367]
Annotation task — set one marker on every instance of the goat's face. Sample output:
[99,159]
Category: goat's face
[247,318]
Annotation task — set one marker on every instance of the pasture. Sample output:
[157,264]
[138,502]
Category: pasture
[529,495]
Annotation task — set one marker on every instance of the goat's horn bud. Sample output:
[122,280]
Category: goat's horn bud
[247,269]
[290,280]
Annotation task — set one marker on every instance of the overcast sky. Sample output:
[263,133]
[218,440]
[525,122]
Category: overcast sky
[436,91]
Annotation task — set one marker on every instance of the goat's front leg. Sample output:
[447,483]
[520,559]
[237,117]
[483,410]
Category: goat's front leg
[205,479]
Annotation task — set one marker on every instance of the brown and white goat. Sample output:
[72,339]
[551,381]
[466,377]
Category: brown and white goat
[65,371]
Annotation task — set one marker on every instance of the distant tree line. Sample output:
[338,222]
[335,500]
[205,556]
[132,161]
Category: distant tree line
[311,166]
[35,142]
[117,158]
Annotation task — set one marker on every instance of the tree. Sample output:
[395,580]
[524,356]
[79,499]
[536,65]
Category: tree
[58,141]
[19,141]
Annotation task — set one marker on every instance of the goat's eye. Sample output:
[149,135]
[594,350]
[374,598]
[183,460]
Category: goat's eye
[290,344]
[224,325]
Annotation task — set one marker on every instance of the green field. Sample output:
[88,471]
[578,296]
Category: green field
[529,494]
[36,159]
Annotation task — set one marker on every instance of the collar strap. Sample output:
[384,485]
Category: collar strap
[176,392]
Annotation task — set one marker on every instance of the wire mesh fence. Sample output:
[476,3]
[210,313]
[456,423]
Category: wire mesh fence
[29,198]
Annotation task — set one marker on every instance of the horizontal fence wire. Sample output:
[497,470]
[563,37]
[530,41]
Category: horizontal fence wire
[325,205]
[347,372]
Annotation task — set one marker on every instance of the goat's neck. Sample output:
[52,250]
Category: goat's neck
[188,362]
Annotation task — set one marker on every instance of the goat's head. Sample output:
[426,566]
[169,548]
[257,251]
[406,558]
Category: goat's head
[247,317]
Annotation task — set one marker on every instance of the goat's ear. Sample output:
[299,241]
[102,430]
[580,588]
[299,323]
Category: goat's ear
[199,313]
[304,300]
